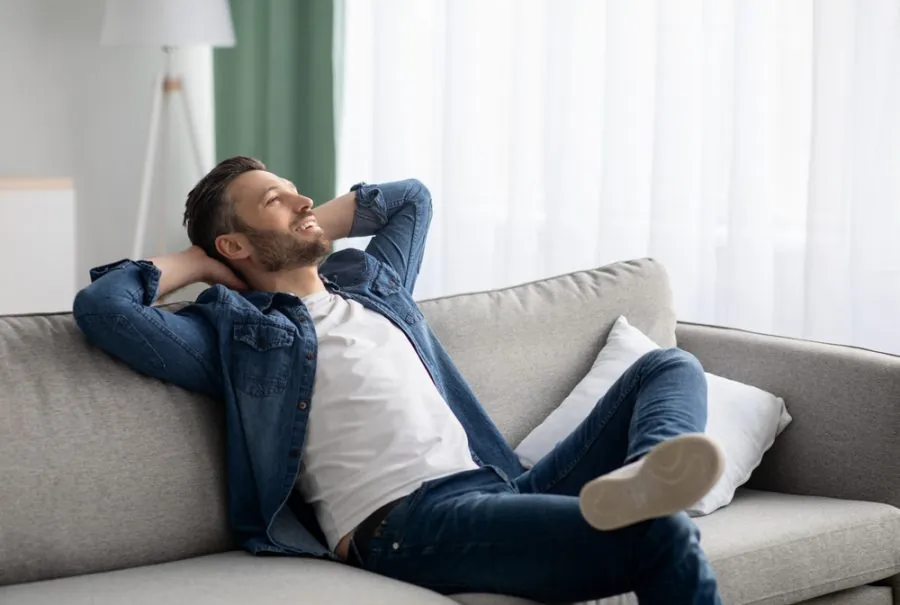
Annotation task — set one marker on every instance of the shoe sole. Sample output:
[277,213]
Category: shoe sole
[674,475]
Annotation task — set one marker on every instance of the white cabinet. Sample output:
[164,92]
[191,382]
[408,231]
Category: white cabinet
[37,245]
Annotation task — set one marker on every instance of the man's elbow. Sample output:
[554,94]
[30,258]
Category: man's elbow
[85,303]
[86,309]
[418,193]
[92,301]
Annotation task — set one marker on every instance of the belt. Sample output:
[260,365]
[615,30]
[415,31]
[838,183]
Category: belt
[366,530]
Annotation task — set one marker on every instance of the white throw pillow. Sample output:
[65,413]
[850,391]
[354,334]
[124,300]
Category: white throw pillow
[744,420]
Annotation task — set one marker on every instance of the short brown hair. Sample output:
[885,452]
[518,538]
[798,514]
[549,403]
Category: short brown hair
[208,213]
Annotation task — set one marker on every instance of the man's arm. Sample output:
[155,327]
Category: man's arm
[397,214]
[116,315]
[335,217]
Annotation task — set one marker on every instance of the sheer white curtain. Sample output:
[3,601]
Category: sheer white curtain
[753,146]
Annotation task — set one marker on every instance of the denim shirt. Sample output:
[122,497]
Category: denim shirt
[256,353]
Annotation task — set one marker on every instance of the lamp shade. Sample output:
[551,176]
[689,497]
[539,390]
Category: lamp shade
[167,23]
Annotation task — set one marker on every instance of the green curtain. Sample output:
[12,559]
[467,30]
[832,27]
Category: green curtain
[274,91]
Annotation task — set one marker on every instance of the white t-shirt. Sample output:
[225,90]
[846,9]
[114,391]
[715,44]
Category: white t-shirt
[378,427]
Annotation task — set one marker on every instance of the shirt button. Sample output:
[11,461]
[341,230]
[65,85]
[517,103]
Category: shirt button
[302,405]
[395,546]
[310,356]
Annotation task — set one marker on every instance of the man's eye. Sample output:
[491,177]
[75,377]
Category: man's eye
[271,201]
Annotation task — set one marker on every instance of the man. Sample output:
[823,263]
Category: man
[352,436]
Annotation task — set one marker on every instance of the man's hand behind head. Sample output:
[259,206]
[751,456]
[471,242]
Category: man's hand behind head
[214,272]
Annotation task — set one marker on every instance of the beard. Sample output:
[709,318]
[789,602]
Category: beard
[278,251]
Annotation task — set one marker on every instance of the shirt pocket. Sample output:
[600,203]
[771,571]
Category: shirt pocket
[386,285]
[261,358]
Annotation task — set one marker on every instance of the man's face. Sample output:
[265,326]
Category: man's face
[280,229]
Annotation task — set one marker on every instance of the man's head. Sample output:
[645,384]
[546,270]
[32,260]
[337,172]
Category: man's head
[252,220]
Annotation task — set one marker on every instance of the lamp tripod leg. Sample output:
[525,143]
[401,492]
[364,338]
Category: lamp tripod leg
[192,132]
[147,175]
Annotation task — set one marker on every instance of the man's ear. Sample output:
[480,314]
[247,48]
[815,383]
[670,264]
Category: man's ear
[233,246]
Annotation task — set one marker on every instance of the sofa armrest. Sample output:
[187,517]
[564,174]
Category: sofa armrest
[844,441]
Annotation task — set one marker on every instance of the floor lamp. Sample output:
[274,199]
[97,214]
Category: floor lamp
[166,24]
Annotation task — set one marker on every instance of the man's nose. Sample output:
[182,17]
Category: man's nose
[302,203]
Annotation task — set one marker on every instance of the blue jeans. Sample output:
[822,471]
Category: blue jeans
[478,531]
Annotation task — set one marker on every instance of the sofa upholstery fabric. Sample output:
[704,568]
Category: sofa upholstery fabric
[844,441]
[227,578]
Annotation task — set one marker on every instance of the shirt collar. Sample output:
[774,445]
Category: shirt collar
[266,300]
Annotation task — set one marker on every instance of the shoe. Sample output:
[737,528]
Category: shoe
[674,475]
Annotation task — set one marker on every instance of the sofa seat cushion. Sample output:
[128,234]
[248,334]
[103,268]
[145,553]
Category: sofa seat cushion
[769,548]
[232,577]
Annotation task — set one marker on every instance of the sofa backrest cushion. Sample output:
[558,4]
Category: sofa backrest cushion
[523,349]
[102,468]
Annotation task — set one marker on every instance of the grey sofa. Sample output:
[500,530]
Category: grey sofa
[111,483]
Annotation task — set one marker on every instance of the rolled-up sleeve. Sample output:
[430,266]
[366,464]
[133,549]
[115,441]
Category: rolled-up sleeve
[398,215]
[138,278]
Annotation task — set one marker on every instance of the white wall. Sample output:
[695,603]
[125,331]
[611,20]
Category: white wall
[72,108]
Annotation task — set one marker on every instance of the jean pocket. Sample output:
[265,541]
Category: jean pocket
[389,536]
[261,358]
